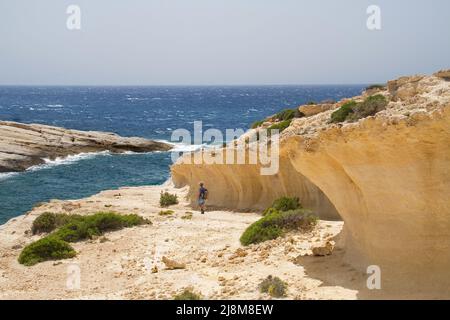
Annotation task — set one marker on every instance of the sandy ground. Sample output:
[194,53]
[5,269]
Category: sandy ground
[122,264]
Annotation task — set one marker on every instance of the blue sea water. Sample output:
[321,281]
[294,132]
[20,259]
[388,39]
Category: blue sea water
[149,112]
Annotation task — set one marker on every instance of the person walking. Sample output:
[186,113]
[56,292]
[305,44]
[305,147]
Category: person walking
[202,197]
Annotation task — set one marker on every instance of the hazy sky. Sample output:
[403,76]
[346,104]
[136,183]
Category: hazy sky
[157,42]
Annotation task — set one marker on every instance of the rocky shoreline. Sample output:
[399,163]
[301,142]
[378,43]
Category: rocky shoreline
[385,176]
[25,145]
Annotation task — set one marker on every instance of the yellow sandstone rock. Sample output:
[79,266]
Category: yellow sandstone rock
[387,176]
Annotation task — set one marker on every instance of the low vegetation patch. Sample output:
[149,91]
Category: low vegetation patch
[276,223]
[371,106]
[286,204]
[343,112]
[167,199]
[188,294]
[166,213]
[284,215]
[48,248]
[274,286]
[48,221]
[86,227]
[284,116]
[71,228]
[352,111]
[280,126]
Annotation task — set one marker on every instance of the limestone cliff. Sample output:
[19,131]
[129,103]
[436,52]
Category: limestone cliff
[25,145]
[387,175]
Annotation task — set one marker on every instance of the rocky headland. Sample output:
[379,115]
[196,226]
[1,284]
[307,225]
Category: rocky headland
[26,145]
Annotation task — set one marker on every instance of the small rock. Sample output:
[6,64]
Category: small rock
[155,269]
[239,253]
[172,265]
[325,250]
[103,239]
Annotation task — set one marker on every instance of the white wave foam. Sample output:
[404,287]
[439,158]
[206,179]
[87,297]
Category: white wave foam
[49,163]
[55,105]
[136,99]
[6,175]
[182,147]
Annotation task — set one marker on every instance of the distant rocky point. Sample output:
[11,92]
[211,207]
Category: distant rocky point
[26,145]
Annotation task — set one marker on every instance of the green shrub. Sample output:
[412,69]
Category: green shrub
[48,248]
[352,111]
[269,211]
[187,294]
[86,227]
[298,219]
[287,114]
[275,287]
[286,203]
[48,221]
[282,116]
[311,103]
[166,199]
[343,112]
[72,228]
[371,106]
[259,232]
[275,223]
[281,126]
[76,231]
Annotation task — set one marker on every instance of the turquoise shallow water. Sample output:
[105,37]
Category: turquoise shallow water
[151,112]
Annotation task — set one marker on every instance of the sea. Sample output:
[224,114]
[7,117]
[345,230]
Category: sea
[149,112]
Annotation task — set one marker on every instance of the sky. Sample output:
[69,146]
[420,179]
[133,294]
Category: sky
[220,42]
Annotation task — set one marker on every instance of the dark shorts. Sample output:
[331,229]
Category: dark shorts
[201,202]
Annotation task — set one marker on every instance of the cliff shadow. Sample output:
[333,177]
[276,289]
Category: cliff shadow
[333,271]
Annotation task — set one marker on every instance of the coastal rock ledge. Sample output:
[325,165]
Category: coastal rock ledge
[26,145]
[387,175]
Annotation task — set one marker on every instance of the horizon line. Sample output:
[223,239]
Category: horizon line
[190,85]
